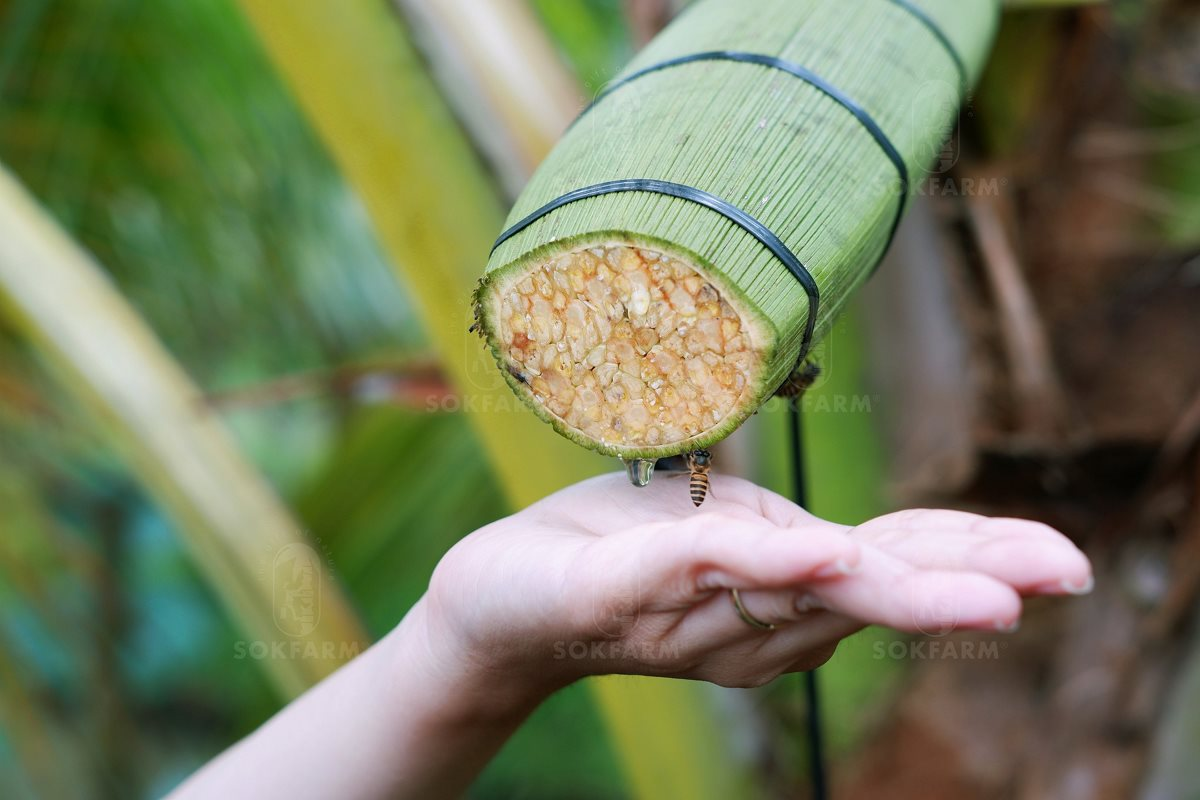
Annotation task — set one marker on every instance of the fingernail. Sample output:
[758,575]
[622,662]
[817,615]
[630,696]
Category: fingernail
[1085,587]
[1007,627]
[836,569]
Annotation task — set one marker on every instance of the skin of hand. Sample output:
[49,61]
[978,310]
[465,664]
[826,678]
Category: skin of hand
[603,577]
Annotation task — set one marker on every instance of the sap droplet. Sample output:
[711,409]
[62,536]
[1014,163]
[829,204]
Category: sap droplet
[640,470]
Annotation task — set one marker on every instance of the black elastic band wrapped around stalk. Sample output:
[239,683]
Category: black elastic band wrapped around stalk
[796,71]
[923,17]
[730,211]
[700,197]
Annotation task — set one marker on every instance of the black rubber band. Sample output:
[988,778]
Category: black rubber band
[809,77]
[700,197]
[729,211]
[923,17]
[795,70]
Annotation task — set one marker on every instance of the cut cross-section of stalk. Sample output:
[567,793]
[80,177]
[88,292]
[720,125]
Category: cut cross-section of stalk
[626,347]
[711,213]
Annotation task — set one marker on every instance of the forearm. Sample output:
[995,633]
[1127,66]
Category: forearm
[408,718]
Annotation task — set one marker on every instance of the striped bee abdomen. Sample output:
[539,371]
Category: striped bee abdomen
[699,462]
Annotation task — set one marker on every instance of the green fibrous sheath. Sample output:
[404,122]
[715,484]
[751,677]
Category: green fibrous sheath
[644,325]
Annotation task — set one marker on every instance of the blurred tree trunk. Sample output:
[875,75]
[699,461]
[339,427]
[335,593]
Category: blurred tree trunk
[1081,318]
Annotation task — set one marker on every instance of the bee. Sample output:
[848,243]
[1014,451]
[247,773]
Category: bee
[699,463]
[799,382]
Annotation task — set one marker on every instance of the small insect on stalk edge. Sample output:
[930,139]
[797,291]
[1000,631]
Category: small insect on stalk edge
[699,463]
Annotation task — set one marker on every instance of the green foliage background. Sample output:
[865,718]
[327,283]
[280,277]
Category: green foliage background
[159,135]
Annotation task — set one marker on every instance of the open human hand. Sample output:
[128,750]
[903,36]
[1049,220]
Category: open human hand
[603,577]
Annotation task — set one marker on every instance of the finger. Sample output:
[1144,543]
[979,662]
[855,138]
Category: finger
[780,607]
[803,653]
[1030,556]
[713,551]
[793,612]
[813,659]
[882,590]
[818,630]
[892,592]
[803,646]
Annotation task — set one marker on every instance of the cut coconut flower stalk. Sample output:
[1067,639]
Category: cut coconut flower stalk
[700,226]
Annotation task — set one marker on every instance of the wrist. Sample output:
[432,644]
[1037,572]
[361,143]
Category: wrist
[456,683]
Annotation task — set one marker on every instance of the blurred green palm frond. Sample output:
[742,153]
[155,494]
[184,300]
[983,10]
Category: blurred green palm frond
[157,134]
[160,137]
[431,488]
[592,36]
[362,84]
[502,77]
[128,387]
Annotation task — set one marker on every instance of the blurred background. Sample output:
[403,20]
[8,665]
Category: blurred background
[241,418]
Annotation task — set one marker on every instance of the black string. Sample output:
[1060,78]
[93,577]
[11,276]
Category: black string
[797,71]
[793,69]
[815,737]
[701,197]
[816,742]
[926,20]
